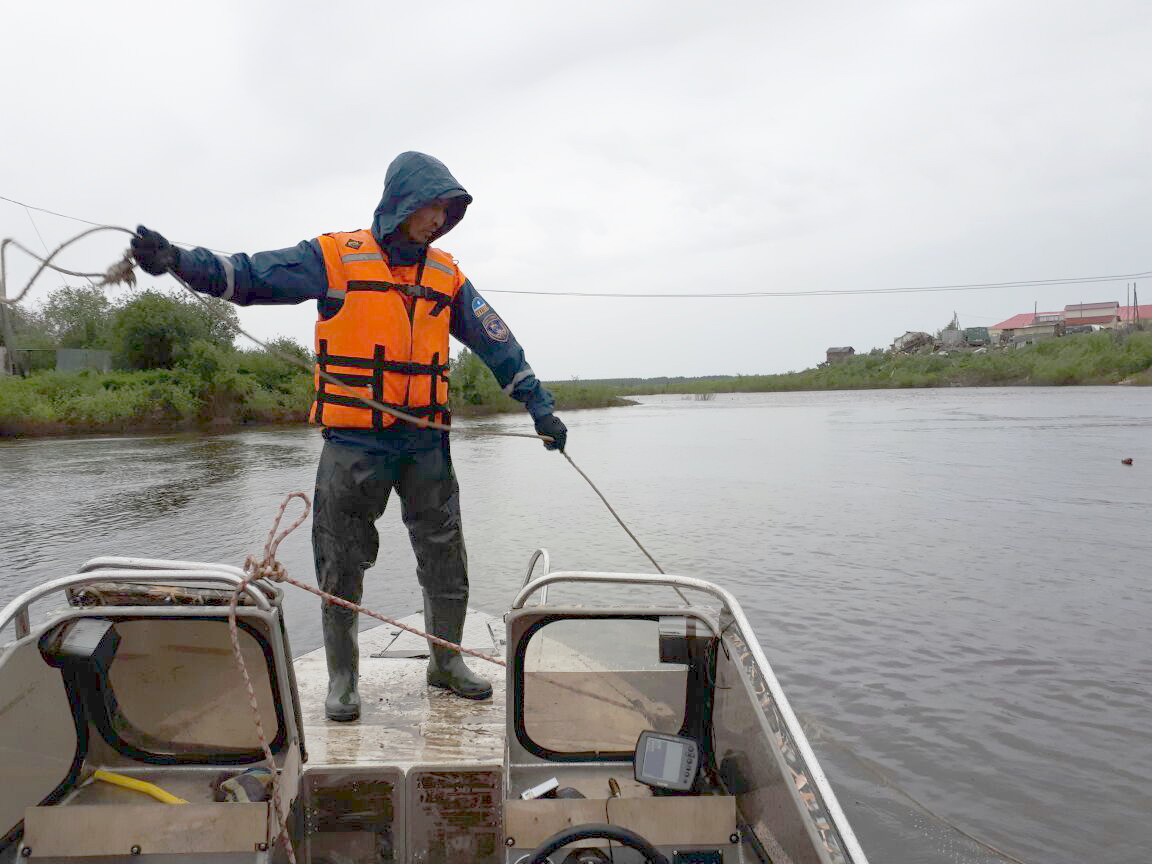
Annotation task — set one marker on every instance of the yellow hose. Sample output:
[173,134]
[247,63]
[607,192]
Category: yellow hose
[137,785]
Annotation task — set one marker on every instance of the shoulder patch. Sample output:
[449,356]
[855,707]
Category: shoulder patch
[496,329]
[479,307]
[355,244]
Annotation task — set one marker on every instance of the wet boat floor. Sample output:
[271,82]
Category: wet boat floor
[403,721]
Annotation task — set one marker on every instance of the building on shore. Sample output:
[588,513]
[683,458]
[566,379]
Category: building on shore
[835,355]
[910,341]
[1135,314]
[1106,315]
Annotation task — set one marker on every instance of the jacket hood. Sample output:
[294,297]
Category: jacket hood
[413,180]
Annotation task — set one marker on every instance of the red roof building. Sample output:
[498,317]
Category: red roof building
[1024,319]
[1079,313]
[1136,313]
[1103,314]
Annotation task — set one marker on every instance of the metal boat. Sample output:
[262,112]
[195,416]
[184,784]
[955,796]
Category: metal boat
[637,720]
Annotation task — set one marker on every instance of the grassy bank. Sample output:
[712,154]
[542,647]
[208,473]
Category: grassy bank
[58,403]
[1089,358]
[217,388]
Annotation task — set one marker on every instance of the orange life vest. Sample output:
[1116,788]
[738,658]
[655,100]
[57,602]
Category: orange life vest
[389,341]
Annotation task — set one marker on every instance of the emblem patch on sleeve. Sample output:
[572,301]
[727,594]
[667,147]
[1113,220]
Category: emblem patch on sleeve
[479,307]
[495,328]
[355,244]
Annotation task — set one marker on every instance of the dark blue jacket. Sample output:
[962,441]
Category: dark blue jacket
[297,274]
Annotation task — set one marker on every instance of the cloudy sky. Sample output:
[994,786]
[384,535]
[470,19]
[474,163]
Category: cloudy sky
[621,147]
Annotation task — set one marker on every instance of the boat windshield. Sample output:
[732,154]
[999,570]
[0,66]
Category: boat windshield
[177,690]
[592,685]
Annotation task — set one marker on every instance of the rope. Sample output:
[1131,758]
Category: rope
[122,272]
[627,531]
[271,569]
[250,575]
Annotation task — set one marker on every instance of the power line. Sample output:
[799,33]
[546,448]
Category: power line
[47,251]
[87,222]
[43,210]
[840,292]
[829,292]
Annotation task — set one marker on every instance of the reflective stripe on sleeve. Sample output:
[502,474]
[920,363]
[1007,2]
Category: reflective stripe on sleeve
[363,256]
[517,378]
[229,277]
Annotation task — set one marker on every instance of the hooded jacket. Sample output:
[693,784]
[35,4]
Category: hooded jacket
[297,274]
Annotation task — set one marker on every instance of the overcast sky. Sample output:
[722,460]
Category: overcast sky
[639,147]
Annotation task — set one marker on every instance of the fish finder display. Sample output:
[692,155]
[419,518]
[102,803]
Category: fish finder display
[666,761]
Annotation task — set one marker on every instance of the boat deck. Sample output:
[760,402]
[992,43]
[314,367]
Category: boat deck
[403,721]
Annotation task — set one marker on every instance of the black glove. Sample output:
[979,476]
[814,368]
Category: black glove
[153,252]
[551,426]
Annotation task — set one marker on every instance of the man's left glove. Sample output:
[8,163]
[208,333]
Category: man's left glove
[551,426]
[153,252]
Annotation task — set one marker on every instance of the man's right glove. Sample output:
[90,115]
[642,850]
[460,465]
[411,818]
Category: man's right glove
[153,252]
[551,426]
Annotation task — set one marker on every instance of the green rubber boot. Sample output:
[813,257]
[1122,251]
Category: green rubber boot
[446,668]
[343,653]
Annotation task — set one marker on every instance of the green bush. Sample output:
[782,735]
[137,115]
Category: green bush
[150,330]
[274,372]
[473,383]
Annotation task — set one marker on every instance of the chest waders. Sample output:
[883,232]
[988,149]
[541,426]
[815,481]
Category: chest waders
[354,482]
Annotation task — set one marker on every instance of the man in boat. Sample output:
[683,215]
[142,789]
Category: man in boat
[387,302]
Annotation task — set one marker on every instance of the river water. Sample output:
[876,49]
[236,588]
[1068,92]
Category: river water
[952,585]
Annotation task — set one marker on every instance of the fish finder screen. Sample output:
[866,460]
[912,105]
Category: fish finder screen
[664,759]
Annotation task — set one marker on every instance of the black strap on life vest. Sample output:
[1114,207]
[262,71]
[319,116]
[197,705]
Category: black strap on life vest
[419,292]
[375,367]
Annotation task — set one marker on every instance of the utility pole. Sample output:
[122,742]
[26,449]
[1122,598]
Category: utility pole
[9,338]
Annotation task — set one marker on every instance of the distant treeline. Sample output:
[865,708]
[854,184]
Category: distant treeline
[176,367]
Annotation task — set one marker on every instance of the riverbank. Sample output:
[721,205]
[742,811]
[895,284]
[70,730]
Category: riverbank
[169,400]
[257,390]
[1079,359]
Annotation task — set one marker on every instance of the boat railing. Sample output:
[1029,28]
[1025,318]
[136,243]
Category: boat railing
[741,624]
[136,571]
[539,555]
[541,583]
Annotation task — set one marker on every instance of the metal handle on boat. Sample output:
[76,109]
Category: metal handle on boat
[18,608]
[155,564]
[116,563]
[662,579]
[536,556]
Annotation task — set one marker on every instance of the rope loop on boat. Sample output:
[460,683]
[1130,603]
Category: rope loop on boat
[268,567]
